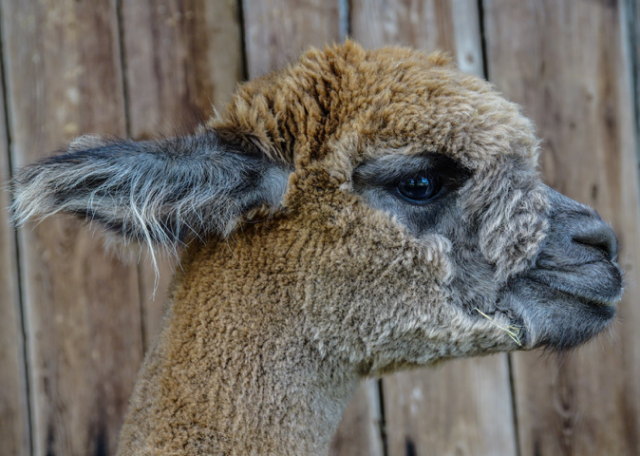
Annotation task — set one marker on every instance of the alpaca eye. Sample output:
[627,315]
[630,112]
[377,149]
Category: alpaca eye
[420,188]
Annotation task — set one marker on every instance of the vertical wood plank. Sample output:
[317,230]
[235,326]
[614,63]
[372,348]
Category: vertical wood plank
[460,408]
[182,59]
[14,413]
[463,407]
[564,62]
[359,433]
[81,306]
[276,31]
[449,25]
[632,13]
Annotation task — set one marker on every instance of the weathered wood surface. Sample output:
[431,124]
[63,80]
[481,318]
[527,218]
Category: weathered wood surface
[181,58]
[14,413]
[631,14]
[359,433]
[564,62]
[449,25]
[88,316]
[277,31]
[81,307]
[271,43]
[464,407]
[461,408]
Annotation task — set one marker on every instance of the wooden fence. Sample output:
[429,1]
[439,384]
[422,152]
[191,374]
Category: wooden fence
[75,322]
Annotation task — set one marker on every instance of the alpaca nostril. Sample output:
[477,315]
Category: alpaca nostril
[598,235]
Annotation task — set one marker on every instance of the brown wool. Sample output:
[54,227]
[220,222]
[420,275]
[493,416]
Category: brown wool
[277,312]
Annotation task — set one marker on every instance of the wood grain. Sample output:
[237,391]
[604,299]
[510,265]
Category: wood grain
[182,59]
[463,407]
[81,306]
[449,25]
[564,62]
[14,412]
[631,12]
[359,433]
[275,32]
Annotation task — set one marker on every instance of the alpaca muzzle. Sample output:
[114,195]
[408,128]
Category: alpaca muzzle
[570,293]
[579,254]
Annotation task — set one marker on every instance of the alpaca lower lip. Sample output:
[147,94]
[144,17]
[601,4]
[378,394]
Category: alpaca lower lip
[605,300]
[603,307]
[598,284]
[564,323]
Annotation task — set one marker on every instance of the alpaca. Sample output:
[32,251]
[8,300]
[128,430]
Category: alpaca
[356,213]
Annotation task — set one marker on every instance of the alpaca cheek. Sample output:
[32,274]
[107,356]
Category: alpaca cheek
[513,239]
[434,252]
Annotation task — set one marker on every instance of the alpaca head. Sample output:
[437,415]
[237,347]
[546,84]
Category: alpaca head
[423,229]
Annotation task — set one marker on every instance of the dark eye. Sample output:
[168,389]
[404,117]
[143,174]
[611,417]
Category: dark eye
[420,188]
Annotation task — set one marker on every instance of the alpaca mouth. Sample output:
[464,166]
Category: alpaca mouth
[570,294]
[564,307]
[598,283]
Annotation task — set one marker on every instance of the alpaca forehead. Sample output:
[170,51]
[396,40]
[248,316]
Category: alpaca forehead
[371,103]
[471,127]
[437,110]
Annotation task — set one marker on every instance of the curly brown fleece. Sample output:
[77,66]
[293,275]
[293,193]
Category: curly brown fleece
[307,270]
[269,332]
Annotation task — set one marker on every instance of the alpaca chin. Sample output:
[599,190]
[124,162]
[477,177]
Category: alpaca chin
[556,319]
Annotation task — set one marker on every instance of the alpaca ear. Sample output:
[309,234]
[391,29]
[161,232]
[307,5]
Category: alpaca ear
[158,192]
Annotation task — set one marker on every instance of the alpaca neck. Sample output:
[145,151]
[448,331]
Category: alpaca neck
[235,372]
[273,406]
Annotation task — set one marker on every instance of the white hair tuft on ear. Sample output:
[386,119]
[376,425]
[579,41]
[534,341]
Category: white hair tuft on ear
[156,192]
